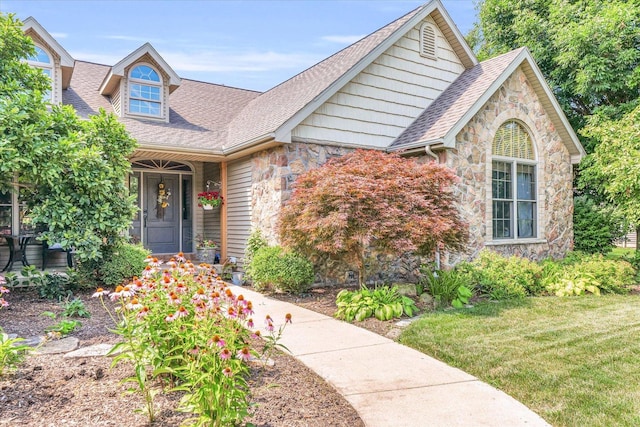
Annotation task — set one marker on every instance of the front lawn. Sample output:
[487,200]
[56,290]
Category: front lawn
[575,361]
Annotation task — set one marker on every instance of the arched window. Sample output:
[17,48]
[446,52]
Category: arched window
[145,91]
[42,60]
[513,183]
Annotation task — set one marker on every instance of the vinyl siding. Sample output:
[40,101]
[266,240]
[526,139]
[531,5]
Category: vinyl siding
[211,219]
[239,194]
[386,97]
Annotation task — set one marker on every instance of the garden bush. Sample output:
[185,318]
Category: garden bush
[499,277]
[609,276]
[594,227]
[272,267]
[122,263]
[450,287]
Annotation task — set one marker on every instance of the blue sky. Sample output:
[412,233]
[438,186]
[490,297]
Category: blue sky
[248,44]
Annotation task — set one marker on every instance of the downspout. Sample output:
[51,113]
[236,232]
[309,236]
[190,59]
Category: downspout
[427,149]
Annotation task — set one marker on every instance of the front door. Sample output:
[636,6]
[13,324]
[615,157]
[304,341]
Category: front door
[161,213]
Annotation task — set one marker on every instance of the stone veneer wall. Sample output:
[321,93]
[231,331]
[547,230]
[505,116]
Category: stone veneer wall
[471,161]
[275,170]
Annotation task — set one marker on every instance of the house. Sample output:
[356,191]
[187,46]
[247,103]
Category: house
[413,86]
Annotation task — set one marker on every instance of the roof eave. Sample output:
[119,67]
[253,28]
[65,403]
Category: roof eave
[557,115]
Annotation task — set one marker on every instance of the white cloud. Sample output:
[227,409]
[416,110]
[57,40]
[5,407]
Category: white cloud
[251,61]
[343,39]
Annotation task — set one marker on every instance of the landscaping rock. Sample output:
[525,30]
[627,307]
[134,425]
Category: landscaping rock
[32,341]
[96,350]
[426,299]
[63,345]
[407,289]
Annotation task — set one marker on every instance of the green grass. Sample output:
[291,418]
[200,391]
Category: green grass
[574,361]
[617,253]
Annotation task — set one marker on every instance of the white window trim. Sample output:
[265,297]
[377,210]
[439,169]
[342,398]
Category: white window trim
[46,66]
[514,190]
[159,84]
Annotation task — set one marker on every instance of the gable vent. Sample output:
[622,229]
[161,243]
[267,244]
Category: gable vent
[428,41]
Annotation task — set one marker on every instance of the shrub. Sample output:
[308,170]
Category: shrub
[500,277]
[594,227]
[56,286]
[75,308]
[371,201]
[609,276]
[450,287]
[122,263]
[272,267]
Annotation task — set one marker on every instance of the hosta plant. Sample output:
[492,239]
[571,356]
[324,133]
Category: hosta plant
[385,303]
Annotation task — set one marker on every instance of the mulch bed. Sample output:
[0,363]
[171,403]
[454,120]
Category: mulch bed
[49,390]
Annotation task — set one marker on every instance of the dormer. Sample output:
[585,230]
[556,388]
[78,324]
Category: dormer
[50,57]
[140,84]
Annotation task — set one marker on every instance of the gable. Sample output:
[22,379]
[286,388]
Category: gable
[444,118]
[387,96]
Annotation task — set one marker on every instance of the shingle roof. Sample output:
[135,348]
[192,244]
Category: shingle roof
[199,112]
[449,108]
[273,108]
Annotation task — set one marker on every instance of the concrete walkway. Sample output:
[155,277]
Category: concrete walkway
[389,384]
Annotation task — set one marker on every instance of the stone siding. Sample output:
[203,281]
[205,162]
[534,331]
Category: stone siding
[471,161]
[275,170]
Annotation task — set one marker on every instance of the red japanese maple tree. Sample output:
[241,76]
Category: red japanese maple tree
[370,199]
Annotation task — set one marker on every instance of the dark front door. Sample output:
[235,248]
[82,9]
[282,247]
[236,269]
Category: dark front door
[161,213]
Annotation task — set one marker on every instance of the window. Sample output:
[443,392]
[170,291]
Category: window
[428,41]
[513,183]
[145,91]
[42,60]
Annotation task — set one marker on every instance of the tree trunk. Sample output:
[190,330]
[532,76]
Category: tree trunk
[637,236]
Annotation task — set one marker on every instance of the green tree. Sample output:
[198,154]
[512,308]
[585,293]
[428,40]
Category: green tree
[614,167]
[369,199]
[589,51]
[70,171]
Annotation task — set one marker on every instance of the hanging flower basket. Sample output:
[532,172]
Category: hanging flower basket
[208,200]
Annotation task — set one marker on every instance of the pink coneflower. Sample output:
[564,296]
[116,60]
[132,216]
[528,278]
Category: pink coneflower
[133,305]
[257,334]
[3,303]
[170,318]
[117,293]
[231,312]
[225,354]
[250,324]
[147,272]
[182,312]
[216,340]
[244,354]
[249,308]
[172,263]
[148,259]
[268,321]
[199,295]
[227,372]
[174,298]
[98,293]
[144,311]
[3,290]
[180,257]
[127,292]
[155,262]
[181,287]
[201,306]
[287,318]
